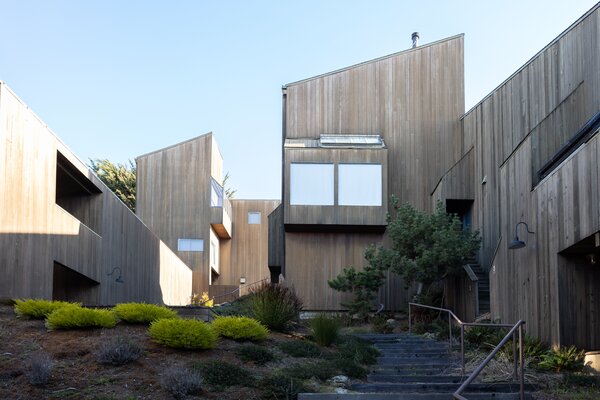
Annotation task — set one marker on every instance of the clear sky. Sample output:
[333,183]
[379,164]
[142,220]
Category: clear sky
[117,79]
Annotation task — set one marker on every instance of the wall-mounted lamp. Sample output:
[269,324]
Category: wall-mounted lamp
[242,280]
[516,243]
[119,278]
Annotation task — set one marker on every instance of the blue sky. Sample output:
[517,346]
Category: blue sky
[117,79]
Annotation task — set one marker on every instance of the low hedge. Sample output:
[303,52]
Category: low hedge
[183,333]
[74,316]
[142,313]
[38,308]
[240,328]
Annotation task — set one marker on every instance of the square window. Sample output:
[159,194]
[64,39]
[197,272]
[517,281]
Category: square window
[190,245]
[359,184]
[311,184]
[254,218]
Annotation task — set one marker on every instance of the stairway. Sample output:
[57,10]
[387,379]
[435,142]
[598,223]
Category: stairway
[483,292]
[412,367]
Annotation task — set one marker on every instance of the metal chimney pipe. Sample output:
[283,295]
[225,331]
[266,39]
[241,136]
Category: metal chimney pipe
[415,39]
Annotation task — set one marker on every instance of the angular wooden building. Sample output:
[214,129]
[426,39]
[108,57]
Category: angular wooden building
[523,159]
[180,196]
[63,234]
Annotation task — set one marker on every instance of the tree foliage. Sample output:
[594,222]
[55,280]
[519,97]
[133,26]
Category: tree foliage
[425,248]
[229,191]
[120,178]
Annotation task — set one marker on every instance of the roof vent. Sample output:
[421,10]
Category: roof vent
[415,39]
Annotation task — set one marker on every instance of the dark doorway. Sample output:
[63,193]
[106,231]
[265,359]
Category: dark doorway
[70,285]
[463,209]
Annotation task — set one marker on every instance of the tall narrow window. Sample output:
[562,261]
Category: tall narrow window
[359,184]
[311,184]
[190,245]
[216,193]
[254,218]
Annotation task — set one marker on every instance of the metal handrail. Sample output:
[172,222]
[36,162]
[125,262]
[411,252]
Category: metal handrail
[518,326]
[462,336]
[237,289]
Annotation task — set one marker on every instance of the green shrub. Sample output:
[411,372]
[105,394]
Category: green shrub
[299,348]
[380,325]
[275,306]
[358,350]
[480,336]
[563,358]
[255,353]
[183,333]
[220,374]
[240,328]
[118,351]
[325,329]
[350,368]
[321,370]
[74,316]
[241,307]
[279,386]
[141,313]
[38,308]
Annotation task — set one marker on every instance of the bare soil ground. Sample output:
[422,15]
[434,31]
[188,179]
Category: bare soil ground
[77,374]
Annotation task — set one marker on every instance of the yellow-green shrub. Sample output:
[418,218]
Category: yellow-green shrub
[142,313]
[183,333]
[240,328]
[37,308]
[75,316]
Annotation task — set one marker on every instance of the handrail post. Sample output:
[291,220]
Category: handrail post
[515,372]
[522,377]
[450,332]
[409,319]
[462,349]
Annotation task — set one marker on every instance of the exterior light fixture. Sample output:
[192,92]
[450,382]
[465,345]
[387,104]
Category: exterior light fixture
[119,278]
[516,243]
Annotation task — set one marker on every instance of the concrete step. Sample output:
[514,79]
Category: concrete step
[439,387]
[391,378]
[411,370]
[407,396]
[408,362]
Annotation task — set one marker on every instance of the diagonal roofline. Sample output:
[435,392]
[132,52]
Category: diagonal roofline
[374,60]
[174,145]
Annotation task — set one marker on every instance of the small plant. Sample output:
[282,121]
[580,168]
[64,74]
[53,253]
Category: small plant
[142,313]
[380,324]
[183,333]
[325,329]
[181,382]
[40,369]
[484,336]
[254,353]
[241,307]
[298,348]
[358,350]
[563,358]
[279,386]
[118,351]
[38,308]
[240,328]
[321,370]
[202,300]
[74,316]
[275,306]
[220,374]
[349,367]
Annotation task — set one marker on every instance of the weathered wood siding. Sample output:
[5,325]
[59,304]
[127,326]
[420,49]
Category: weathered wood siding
[248,249]
[36,233]
[173,199]
[414,100]
[513,131]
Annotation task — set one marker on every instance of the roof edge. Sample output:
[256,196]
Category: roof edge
[460,35]
[173,145]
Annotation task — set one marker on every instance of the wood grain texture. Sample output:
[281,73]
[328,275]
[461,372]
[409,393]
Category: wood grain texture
[512,132]
[36,233]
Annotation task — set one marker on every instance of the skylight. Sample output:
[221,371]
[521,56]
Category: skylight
[351,140]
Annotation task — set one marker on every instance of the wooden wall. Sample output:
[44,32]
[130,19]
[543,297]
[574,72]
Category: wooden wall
[173,199]
[248,248]
[512,131]
[35,232]
[414,100]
